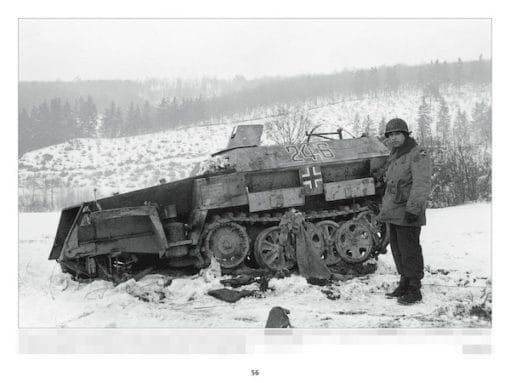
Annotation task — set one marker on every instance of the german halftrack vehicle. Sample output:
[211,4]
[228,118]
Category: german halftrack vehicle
[231,212]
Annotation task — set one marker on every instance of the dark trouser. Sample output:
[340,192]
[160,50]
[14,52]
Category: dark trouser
[406,250]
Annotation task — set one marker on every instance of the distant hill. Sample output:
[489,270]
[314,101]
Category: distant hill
[122,92]
[68,173]
[55,112]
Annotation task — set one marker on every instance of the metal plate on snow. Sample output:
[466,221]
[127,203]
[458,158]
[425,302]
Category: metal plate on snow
[349,189]
[275,199]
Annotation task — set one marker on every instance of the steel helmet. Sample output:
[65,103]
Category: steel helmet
[396,125]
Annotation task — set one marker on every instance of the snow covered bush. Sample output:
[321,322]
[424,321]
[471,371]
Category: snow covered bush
[460,174]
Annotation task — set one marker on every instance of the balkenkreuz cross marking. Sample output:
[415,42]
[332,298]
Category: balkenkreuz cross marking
[311,179]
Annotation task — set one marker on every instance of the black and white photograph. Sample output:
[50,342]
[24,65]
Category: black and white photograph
[230,173]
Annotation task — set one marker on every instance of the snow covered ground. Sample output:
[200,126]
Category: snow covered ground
[457,252]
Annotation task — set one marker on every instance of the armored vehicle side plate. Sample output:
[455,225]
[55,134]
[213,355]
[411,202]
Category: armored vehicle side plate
[275,199]
[349,189]
[221,191]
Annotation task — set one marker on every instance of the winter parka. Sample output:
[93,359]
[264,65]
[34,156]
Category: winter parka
[408,179]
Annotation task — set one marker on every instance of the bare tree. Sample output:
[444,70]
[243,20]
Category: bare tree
[289,127]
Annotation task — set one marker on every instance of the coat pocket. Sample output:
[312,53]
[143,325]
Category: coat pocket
[403,191]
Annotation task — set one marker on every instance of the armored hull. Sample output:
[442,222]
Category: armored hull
[232,212]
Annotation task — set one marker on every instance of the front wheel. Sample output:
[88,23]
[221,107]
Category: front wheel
[228,242]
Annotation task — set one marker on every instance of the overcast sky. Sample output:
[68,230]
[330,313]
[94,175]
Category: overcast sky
[139,49]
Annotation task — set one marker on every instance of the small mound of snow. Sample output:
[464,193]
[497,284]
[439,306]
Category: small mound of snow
[294,284]
[212,272]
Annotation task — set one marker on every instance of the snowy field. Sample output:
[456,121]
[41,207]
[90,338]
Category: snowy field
[457,252]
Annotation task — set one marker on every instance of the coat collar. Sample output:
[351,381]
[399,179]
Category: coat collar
[406,147]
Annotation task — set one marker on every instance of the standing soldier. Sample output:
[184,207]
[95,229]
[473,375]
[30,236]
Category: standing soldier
[407,188]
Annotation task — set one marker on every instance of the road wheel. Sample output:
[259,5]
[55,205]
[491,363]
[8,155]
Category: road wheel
[228,242]
[328,229]
[353,241]
[269,253]
[380,231]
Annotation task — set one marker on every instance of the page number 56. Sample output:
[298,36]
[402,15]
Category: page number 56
[255,373]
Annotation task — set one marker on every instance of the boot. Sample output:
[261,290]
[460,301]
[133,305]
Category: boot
[412,294]
[401,288]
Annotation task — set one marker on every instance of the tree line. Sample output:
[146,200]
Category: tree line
[461,152]
[59,119]
[458,141]
[459,146]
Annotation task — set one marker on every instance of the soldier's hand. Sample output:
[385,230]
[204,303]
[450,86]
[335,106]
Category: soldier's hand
[410,217]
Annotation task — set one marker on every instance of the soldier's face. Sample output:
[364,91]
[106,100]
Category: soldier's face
[396,139]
